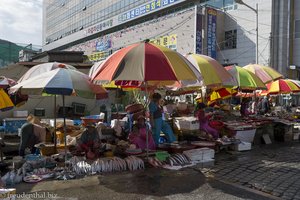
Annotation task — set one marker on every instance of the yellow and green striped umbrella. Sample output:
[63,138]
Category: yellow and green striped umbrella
[213,73]
[246,79]
[265,73]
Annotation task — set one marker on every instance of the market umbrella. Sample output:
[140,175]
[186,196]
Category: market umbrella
[265,73]
[213,73]
[282,86]
[246,80]
[6,82]
[222,93]
[42,68]
[149,63]
[112,85]
[17,99]
[37,70]
[297,82]
[247,95]
[60,81]
[5,101]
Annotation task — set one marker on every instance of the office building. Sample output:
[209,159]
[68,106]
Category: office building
[221,29]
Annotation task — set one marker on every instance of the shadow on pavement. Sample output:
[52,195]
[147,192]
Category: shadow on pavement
[155,182]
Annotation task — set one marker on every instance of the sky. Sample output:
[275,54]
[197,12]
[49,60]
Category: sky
[21,21]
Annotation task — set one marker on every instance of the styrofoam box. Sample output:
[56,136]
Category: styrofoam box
[246,135]
[60,120]
[20,113]
[296,136]
[200,154]
[186,123]
[243,146]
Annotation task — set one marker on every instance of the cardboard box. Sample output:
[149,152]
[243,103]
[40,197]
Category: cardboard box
[20,113]
[243,146]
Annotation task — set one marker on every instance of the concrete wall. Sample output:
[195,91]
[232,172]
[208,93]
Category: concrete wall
[243,19]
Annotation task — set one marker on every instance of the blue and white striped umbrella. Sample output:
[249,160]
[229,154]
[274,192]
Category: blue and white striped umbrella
[60,81]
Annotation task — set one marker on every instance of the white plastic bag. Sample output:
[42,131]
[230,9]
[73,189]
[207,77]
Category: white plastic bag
[71,140]
[116,125]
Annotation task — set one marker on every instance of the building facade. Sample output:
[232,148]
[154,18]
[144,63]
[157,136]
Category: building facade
[221,29]
[286,37]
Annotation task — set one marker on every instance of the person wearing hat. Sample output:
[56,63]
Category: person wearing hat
[32,133]
[89,141]
[138,135]
[156,119]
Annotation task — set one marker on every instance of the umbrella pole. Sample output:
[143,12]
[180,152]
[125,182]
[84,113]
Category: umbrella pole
[147,132]
[65,127]
[55,139]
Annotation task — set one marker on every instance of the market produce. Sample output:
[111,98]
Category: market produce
[82,167]
[134,163]
[155,162]
[178,159]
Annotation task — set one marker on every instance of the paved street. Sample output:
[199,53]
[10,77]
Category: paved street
[272,169]
[266,172]
[158,184]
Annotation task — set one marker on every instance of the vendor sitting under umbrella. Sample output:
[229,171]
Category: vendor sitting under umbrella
[89,141]
[138,136]
[204,120]
[32,133]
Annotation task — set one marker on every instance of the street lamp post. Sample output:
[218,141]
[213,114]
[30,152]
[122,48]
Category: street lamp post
[256,13]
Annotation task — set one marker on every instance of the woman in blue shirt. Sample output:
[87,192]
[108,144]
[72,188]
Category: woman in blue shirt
[156,119]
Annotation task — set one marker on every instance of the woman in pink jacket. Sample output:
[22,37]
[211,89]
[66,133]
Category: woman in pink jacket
[138,135]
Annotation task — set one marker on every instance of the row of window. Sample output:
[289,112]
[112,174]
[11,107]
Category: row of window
[62,33]
[61,21]
[105,11]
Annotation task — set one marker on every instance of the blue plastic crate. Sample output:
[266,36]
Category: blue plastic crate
[12,126]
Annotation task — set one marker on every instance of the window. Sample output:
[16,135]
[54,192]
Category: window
[297,28]
[230,39]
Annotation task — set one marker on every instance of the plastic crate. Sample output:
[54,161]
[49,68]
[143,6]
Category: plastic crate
[11,125]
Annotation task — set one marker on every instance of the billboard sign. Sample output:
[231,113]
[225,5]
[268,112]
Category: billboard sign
[211,32]
[152,6]
[198,42]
